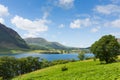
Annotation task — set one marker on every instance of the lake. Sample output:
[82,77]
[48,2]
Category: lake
[49,57]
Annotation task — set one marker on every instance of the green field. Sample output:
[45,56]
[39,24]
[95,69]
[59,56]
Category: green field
[81,70]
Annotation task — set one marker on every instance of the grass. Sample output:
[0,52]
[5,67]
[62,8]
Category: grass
[81,70]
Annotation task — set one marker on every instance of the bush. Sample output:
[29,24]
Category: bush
[45,63]
[64,68]
[73,60]
[81,55]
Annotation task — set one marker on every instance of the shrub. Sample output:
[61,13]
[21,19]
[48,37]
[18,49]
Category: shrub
[73,60]
[64,68]
[81,55]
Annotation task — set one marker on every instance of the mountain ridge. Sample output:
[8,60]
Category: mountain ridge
[10,39]
[41,42]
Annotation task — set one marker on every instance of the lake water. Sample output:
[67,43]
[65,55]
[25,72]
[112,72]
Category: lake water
[49,57]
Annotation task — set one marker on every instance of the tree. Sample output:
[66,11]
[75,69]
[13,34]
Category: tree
[106,49]
[11,66]
[8,67]
[81,55]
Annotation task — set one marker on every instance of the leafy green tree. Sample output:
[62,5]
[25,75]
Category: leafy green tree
[28,64]
[81,55]
[106,49]
[8,67]
[11,66]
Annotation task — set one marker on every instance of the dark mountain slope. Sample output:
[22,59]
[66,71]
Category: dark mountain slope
[10,39]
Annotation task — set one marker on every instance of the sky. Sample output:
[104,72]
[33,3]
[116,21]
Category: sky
[76,23]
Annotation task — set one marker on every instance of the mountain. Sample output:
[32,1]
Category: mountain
[40,43]
[10,39]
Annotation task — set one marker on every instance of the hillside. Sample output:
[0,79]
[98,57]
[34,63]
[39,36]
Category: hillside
[41,43]
[84,70]
[10,39]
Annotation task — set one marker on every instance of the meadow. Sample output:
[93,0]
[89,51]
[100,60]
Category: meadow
[80,70]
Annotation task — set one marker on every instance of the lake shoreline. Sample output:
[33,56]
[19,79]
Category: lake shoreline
[37,51]
[49,57]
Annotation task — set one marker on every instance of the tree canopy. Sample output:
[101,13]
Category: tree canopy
[106,49]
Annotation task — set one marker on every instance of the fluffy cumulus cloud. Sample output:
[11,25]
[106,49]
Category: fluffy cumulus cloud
[115,33]
[107,9]
[1,20]
[32,27]
[67,4]
[3,10]
[114,23]
[78,23]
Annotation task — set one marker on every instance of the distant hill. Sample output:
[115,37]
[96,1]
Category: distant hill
[10,39]
[41,43]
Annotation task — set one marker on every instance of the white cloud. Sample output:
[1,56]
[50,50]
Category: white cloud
[32,27]
[67,4]
[75,24]
[61,26]
[3,11]
[115,1]
[46,14]
[78,23]
[26,24]
[107,9]
[115,33]
[96,29]
[1,20]
[114,23]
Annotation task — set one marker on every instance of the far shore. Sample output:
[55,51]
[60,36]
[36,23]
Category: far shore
[37,51]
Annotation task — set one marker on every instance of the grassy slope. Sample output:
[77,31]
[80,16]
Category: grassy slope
[86,70]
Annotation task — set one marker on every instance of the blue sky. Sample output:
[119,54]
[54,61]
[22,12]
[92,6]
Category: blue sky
[76,23]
